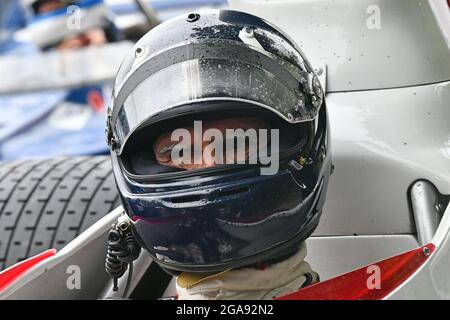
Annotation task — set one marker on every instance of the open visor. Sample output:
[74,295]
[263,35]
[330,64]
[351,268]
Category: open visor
[254,78]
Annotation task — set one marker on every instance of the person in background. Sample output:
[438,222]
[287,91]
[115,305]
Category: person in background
[53,24]
[227,227]
[265,279]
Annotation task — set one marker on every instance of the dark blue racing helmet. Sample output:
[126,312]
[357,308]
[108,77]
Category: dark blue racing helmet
[217,68]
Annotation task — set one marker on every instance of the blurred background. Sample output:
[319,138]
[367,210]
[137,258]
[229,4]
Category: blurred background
[58,59]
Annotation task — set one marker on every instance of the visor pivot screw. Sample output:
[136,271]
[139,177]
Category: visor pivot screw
[426,251]
[248,32]
[192,17]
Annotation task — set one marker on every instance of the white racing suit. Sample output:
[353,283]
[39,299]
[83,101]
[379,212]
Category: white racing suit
[276,280]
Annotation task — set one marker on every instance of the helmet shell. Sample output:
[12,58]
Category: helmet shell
[205,220]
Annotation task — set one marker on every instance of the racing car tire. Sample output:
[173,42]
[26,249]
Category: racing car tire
[45,203]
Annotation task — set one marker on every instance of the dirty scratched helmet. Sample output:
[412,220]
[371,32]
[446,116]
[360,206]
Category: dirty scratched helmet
[210,66]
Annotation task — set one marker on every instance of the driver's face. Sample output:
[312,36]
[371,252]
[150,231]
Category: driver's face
[164,144]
